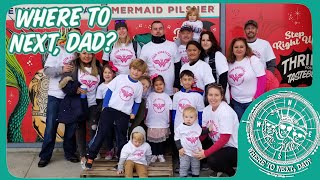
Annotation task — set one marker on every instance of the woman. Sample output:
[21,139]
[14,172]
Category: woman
[221,118]
[201,70]
[246,75]
[124,50]
[54,67]
[81,89]
[216,60]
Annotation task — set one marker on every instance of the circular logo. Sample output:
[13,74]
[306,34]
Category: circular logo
[236,74]
[123,57]
[284,132]
[159,105]
[183,103]
[126,93]
[161,61]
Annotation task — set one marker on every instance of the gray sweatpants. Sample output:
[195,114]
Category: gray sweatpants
[185,162]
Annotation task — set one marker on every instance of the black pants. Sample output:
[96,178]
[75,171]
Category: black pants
[224,160]
[109,118]
[157,148]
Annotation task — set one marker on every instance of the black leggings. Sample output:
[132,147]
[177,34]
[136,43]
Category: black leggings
[224,160]
[157,148]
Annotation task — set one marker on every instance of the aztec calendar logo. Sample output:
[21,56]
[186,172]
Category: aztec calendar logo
[284,132]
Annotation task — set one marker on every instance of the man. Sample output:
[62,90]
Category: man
[261,48]
[185,35]
[161,56]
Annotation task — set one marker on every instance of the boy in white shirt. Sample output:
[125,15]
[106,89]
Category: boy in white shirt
[120,104]
[136,154]
[186,137]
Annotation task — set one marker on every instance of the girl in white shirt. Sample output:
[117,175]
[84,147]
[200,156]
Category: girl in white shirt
[109,72]
[193,21]
[158,107]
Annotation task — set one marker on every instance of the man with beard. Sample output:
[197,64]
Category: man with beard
[260,47]
[161,56]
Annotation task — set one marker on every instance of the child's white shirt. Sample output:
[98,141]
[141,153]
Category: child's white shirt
[189,137]
[124,93]
[181,100]
[159,106]
[197,27]
[136,154]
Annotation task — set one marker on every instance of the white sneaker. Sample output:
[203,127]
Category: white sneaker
[153,158]
[98,156]
[83,164]
[161,158]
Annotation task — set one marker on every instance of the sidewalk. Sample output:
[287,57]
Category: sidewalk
[23,163]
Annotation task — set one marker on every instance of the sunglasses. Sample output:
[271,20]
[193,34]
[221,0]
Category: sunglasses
[119,21]
[214,85]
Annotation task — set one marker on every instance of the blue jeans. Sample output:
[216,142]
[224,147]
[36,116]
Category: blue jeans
[69,143]
[239,108]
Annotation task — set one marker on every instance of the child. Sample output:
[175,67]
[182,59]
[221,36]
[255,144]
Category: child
[141,114]
[158,107]
[136,154]
[193,21]
[186,97]
[121,103]
[186,137]
[109,73]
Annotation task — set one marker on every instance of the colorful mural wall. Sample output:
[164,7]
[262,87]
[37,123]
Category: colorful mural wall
[288,29]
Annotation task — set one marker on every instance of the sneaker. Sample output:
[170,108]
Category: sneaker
[153,158]
[218,174]
[73,159]
[98,157]
[43,163]
[83,164]
[89,164]
[161,158]
[109,155]
[115,167]
[204,167]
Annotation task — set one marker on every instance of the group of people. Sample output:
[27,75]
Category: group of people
[185,92]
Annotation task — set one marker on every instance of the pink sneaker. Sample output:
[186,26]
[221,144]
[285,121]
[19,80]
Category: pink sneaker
[109,155]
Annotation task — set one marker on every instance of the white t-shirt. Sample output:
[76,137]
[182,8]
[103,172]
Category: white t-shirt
[122,56]
[242,78]
[63,58]
[91,83]
[101,91]
[189,137]
[124,93]
[136,154]
[159,106]
[183,53]
[197,27]
[263,50]
[160,59]
[221,67]
[223,120]
[202,73]
[181,100]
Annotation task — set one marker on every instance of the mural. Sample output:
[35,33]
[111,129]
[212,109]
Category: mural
[288,29]
[27,85]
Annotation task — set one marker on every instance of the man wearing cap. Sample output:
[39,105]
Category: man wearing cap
[260,47]
[161,56]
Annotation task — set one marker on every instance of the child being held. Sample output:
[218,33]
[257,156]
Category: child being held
[193,21]
[186,137]
[136,154]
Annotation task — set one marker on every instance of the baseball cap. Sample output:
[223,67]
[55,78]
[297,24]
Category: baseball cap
[187,28]
[251,22]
